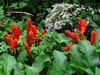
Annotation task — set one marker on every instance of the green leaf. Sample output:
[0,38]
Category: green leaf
[22,56]
[31,70]
[1,70]
[22,4]
[89,54]
[38,65]
[40,61]
[3,47]
[97,71]
[81,56]
[97,43]
[60,65]
[14,5]
[8,62]
[75,55]
[19,69]
[60,38]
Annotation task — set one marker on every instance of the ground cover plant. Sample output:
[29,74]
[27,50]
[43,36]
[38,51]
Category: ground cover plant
[49,37]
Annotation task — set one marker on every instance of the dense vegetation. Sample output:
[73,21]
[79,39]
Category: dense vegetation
[49,37]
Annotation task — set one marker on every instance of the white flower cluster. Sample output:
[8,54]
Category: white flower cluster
[62,13]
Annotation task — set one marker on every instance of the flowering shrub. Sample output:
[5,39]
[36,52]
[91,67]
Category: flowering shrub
[81,28]
[63,15]
[68,45]
[12,39]
[47,53]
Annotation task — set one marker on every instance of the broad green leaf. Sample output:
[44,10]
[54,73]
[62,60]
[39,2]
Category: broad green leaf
[89,54]
[3,47]
[22,56]
[98,50]
[87,70]
[75,55]
[19,69]
[97,71]
[38,65]
[81,56]
[1,70]
[60,65]
[40,61]
[76,59]
[31,70]
[8,62]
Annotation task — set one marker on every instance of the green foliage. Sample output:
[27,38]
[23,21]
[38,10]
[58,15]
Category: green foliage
[48,57]
[82,55]
[8,62]
[59,65]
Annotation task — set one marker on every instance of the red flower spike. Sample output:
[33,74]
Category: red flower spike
[34,29]
[8,38]
[76,38]
[6,35]
[72,35]
[93,37]
[68,33]
[28,25]
[26,38]
[81,27]
[14,43]
[68,47]
[31,37]
[15,31]
[43,32]
[27,48]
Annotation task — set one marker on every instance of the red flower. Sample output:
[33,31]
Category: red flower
[43,32]
[68,47]
[76,38]
[28,25]
[31,31]
[14,43]
[69,33]
[81,27]
[93,37]
[31,37]
[72,35]
[26,38]
[8,38]
[27,48]
[34,29]
[15,31]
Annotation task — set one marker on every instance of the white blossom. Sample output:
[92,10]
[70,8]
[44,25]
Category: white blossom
[62,13]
